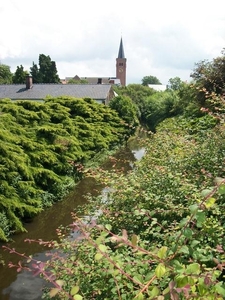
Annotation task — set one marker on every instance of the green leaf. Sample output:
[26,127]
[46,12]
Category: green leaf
[200,217]
[183,222]
[221,189]
[160,270]
[178,266]
[134,239]
[201,289]
[155,291]
[220,289]
[74,290]
[77,297]
[206,192]
[137,278]
[181,280]
[193,208]
[139,297]
[98,256]
[108,227]
[194,243]
[184,249]
[210,202]
[187,232]
[193,268]
[102,248]
[162,252]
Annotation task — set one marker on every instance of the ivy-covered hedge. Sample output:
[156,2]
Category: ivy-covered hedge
[41,149]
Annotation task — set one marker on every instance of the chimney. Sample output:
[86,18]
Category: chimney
[99,81]
[29,82]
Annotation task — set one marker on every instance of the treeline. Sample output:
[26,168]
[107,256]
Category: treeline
[43,72]
[42,150]
[205,92]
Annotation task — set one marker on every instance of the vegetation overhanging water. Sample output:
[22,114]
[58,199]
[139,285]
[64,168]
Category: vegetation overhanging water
[24,286]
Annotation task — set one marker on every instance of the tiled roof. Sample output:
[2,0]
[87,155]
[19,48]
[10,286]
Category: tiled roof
[40,91]
[95,80]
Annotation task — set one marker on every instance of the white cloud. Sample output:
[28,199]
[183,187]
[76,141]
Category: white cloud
[161,38]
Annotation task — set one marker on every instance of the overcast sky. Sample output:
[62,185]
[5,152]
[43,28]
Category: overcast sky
[163,38]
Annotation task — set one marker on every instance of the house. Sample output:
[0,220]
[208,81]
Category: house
[102,93]
[94,80]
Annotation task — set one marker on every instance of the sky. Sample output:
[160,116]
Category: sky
[163,38]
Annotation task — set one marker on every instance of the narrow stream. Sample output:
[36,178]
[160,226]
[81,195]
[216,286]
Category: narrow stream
[23,285]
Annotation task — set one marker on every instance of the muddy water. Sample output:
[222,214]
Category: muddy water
[25,286]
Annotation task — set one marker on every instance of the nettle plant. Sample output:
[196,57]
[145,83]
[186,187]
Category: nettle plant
[159,233]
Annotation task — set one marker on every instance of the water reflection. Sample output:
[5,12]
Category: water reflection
[24,286]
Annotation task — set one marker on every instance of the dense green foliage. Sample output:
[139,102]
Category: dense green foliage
[20,75]
[47,71]
[126,110]
[160,233]
[209,81]
[42,145]
[152,106]
[150,80]
[5,74]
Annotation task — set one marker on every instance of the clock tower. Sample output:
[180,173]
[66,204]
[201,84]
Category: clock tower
[121,65]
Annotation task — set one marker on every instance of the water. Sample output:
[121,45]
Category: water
[25,286]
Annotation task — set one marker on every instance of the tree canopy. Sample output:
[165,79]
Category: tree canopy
[209,80]
[41,143]
[126,110]
[5,74]
[174,83]
[47,71]
[150,80]
[20,75]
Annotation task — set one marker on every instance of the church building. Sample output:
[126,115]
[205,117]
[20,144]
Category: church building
[120,79]
[121,65]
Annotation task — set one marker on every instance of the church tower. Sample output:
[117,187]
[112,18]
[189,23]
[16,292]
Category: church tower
[121,65]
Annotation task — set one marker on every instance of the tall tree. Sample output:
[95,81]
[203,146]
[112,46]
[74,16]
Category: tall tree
[150,80]
[5,74]
[209,79]
[20,75]
[47,71]
[174,83]
[34,71]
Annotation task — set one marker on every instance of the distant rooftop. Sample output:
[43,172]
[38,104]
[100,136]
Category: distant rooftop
[158,87]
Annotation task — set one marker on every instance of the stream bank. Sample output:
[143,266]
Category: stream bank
[23,285]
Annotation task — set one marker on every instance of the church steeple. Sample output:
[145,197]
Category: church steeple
[121,50]
[121,65]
